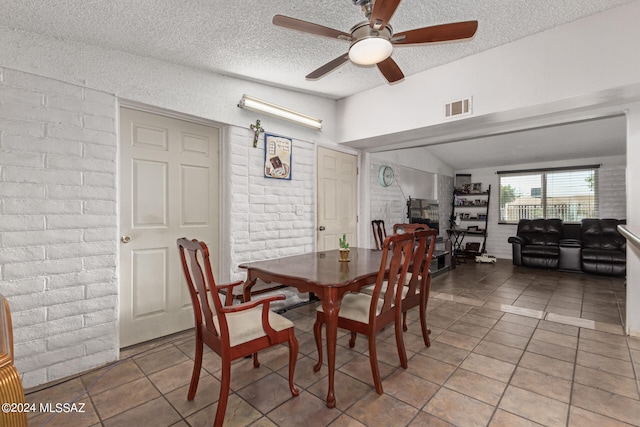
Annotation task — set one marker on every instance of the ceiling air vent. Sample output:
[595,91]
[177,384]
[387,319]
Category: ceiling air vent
[458,108]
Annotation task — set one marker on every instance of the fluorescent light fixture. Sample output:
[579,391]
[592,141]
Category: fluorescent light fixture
[370,51]
[250,103]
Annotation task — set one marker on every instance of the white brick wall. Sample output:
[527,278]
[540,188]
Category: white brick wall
[270,226]
[612,188]
[264,221]
[58,224]
[389,204]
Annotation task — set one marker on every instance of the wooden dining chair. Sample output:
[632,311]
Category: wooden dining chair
[408,228]
[379,232]
[11,391]
[418,284]
[232,331]
[418,281]
[367,314]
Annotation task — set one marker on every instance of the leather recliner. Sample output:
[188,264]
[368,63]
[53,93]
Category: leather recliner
[537,243]
[603,247]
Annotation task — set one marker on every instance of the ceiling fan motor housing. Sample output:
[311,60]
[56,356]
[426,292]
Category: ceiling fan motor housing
[370,46]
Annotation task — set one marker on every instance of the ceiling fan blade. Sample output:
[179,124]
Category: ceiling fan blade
[437,33]
[382,12]
[328,67]
[309,27]
[390,70]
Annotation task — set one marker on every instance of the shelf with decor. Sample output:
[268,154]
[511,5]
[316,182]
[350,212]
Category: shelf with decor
[469,219]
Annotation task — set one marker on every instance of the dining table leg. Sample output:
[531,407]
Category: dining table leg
[331,307]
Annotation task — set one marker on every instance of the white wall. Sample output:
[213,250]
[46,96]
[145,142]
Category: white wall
[418,175]
[568,63]
[633,220]
[613,201]
[269,218]
[161,84]
[58,224]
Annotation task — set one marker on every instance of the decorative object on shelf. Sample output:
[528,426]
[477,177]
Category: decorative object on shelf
[344,248]
[386,176]
[277,157]
[257,130]
[476,187]
[463,183]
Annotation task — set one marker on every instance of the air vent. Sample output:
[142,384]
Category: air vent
[458,108]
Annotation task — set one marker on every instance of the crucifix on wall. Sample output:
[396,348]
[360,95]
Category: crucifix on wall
[257,130]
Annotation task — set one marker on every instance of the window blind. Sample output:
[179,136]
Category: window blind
[570,194]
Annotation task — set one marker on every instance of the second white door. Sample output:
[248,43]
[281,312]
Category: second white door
[337,198]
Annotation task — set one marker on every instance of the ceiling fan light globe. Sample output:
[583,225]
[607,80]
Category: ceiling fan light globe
[370,51]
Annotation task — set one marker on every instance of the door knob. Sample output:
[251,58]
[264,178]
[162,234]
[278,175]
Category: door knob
[322,228]
[125,239]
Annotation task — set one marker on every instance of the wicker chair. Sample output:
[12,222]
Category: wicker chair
[11,390]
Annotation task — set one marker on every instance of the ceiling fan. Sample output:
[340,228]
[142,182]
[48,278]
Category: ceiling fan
[372,41]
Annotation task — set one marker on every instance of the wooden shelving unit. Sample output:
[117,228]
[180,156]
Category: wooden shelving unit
[473,211]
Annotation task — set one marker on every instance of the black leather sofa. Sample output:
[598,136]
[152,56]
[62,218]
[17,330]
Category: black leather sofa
[594,246]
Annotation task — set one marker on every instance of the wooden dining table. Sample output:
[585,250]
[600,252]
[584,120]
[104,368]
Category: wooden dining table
[323,274]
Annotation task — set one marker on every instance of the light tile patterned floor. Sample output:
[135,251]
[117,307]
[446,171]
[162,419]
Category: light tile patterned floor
[511,346]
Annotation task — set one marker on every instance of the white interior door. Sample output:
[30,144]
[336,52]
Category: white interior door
[168,189]
[337,198]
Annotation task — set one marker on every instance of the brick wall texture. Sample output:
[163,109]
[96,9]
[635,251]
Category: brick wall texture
[59,220]
[58,224]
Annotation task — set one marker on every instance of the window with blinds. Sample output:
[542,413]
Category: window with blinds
[570,194]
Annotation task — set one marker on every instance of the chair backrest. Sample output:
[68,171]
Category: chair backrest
[546,232]
[408,228]
[11,390]
[397,252]
[196,265]
[422,256]
[379,232]
[602,234]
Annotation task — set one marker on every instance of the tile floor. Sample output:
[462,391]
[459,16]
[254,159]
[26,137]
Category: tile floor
[511,346]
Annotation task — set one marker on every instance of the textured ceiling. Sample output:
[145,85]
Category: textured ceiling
[237,38]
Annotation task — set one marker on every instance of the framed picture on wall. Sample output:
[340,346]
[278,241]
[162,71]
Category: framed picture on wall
[277,157]
[462,182]
[476,187]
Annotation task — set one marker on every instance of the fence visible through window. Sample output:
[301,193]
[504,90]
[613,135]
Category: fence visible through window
[568,194]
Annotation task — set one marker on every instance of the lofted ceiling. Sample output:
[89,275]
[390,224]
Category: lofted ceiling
[237,38]
[595,138]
